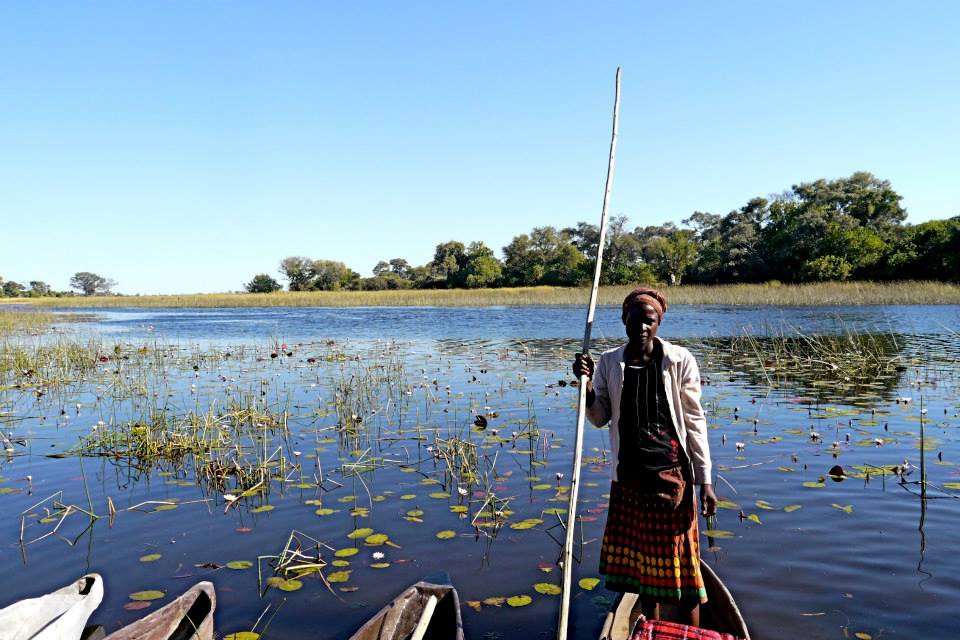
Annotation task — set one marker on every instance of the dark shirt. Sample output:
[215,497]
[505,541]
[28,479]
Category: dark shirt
[648,440]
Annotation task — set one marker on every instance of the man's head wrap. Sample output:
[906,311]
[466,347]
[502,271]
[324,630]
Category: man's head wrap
[641,296]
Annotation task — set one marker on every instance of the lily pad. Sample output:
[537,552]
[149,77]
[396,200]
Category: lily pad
[446,534]
[325,511]
[147,595]
[262,508]
[380,565]
[341,563]
[790,508]
[519,601]
[338,576]
[150,557]
[718,533]
[362,532]
[375,540]
[589,584]
[346,553]
[242,635]
[547,589]
[239,565]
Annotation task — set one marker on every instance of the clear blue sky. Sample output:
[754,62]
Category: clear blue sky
[186,146]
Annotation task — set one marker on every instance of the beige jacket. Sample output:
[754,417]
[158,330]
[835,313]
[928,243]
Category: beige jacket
[681,378]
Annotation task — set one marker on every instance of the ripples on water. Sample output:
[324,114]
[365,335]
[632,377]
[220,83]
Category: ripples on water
[883,566]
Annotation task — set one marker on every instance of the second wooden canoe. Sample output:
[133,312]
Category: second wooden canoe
[430,607]
[189,617]
[720,613]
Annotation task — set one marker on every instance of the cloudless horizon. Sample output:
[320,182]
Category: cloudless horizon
[184,147]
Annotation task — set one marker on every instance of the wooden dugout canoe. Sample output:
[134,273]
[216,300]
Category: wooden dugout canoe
[430,608]
[720,613]
[189,617]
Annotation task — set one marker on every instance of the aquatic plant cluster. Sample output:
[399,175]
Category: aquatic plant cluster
[345,471]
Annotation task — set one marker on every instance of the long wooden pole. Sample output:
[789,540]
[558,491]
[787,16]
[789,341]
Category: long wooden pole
[567,557]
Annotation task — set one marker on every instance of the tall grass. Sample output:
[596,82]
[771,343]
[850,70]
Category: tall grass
[826,293]
[19,321]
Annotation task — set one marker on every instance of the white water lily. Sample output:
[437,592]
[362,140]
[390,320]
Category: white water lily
[741,446]
[461,491]
[229,497]
[378,555]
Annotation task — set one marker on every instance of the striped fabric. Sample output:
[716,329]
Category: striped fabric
[660,630]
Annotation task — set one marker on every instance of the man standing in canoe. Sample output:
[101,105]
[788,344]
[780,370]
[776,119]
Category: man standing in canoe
[648,391]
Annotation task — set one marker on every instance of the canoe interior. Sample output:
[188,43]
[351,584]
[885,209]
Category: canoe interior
[189,617]
[399,618]
[720,613]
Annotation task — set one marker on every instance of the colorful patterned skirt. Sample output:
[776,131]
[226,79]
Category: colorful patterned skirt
[650,546]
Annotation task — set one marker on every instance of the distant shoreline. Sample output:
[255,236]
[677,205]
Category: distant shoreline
[826,293]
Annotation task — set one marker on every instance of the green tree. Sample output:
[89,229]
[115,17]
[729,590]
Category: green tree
[672,253]
[262,283]
[546,256]
[299,273]
[13,289]
[91,284]
[448,259]
[481,268]
[330,275]
[39,288]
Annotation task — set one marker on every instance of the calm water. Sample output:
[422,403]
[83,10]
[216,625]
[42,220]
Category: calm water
[857,556]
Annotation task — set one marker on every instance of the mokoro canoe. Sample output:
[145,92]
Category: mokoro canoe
[720,613]
[430,608]
[189,617]
[60,615]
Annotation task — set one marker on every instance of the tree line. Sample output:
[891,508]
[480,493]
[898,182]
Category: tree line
[843,229]
[85,282]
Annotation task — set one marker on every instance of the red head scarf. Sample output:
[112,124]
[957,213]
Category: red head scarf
[641,296]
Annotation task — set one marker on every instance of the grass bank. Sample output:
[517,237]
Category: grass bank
[829,293]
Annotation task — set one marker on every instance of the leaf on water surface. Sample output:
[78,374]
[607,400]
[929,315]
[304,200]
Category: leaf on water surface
[413,518]
[446,534]
[239,565]
[718,533]
[346,553]
[363,532]
[375,540]
[542,487]
[440,495]
[786,469]
[349,589]
[325,511]
[519,601]
[380,565]
[262,508]
[360,512]
[546,567]
[339,576]
[429,481]
[136,606]
[414,513]
[346,498]
[304,485]
[763,504]
[547,589]
[458,508]
[726,504]
[379,498]
[754,518]
[846,509]
[554,511]
[861,635]
[150,557]
[287,585]
[589,584]
[408,496]
[790,508]
[147,595]
[165,507]
[313,502]
[242,635]
[341,563]
[474,604]
[495,601]
[814,484]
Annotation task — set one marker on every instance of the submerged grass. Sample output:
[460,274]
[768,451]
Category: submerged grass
[830,293]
